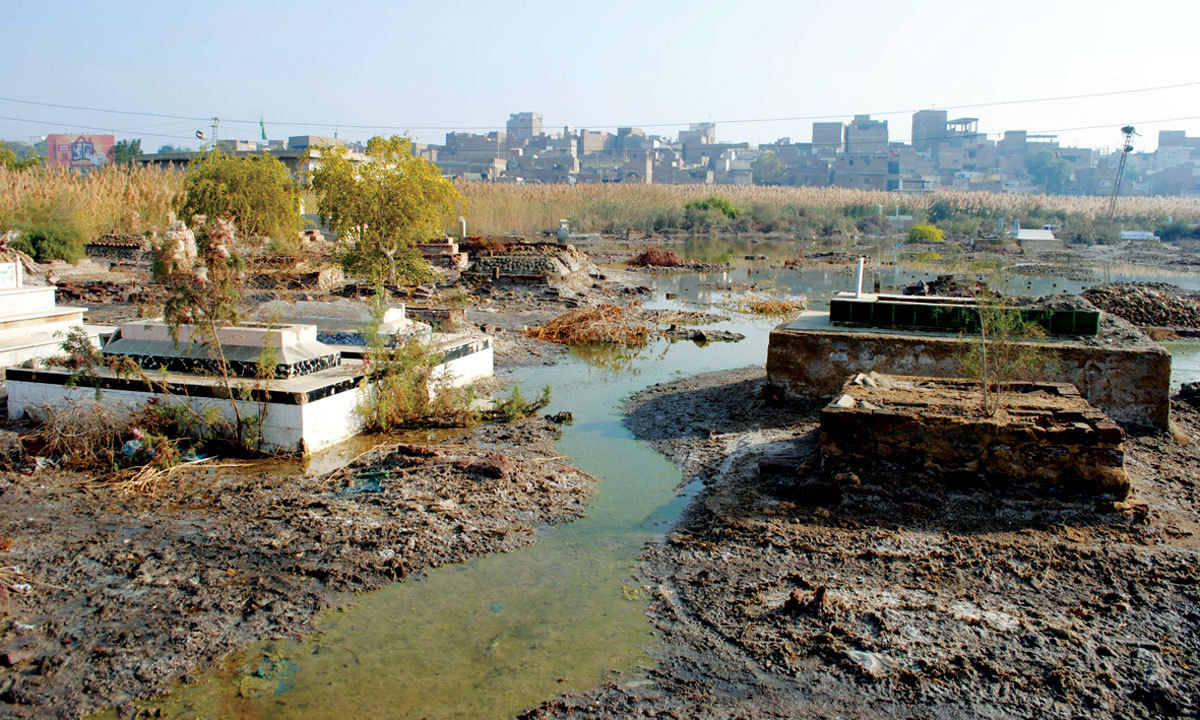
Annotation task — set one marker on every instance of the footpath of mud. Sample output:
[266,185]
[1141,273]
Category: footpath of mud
[126,594]
[781,594]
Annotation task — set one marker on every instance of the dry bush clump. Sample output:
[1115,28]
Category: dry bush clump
[85,435]
[768,305]
[603,324]
[655,257]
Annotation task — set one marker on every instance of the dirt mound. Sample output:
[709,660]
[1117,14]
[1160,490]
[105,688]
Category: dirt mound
[1148,304]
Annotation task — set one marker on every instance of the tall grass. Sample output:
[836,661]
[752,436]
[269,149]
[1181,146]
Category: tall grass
[138,199]
[113,199]
[502,208]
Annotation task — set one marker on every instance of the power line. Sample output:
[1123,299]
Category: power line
[92,127]
[797,118]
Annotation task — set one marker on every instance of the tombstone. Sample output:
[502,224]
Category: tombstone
[32,324]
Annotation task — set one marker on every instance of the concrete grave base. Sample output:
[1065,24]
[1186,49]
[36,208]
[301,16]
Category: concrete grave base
[300,415]
[1044,433]
[809,357]
[303,414]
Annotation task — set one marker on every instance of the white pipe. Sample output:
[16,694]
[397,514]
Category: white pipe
[858,291]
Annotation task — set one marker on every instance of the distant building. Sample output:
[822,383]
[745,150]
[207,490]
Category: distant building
[864,136]
[829,137]
[524,125]
[928,128]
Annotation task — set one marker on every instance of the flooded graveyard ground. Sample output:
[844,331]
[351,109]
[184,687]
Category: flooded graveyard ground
[504,631]
[498,634]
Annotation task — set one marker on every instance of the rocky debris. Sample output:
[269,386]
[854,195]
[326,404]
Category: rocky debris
[685,266]
[947,286]
[1148,304]
[682,317]
[1190,393]
[104,292]
[1063,302]
[1067,272]
[700,335]
[128,593]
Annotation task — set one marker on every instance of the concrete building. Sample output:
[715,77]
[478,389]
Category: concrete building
[524,125]
[865,135]
[829,138]
[864,171]
[928,128]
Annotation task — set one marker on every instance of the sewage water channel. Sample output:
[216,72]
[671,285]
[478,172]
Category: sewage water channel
[496,635]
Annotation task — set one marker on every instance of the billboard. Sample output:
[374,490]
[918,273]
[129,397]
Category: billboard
[79,152]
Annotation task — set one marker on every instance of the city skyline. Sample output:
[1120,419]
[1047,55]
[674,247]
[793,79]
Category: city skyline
[428,68]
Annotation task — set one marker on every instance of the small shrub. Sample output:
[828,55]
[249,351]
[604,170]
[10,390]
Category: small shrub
[717,204]
[926,233]
[655,257]
[516,407]
[57,239]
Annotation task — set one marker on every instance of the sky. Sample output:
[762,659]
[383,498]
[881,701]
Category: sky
[422,68]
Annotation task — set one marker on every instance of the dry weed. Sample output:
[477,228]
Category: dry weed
[603,324]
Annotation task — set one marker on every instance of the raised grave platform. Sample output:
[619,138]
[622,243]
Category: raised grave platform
[302,414]
[310,404]
[1045,433]
[291,350]
[810,357]
[946,314]
[340,323]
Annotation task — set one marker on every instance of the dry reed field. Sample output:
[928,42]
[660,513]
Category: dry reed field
[138,199]
[109,200]
[503,208]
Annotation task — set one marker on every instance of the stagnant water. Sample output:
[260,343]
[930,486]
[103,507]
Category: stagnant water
[493,636]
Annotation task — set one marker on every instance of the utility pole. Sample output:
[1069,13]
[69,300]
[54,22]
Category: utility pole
[1125,150]
[216,127]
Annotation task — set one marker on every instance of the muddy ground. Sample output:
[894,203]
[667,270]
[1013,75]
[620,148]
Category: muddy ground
[120,595]
[783,595]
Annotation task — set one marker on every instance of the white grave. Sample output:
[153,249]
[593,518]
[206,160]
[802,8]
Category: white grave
[31,324]
[309,405]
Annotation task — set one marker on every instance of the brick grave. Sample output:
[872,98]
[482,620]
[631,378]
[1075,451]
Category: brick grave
[1045,434]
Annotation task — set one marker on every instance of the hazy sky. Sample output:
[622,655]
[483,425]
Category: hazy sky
[428,66]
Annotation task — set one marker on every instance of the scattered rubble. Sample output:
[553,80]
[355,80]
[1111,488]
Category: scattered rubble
[1148,304]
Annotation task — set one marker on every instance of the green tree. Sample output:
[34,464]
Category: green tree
[9,159]
[125,151]
[381,208]
[1046,168]
[768,169]
[926,233]
[257,192]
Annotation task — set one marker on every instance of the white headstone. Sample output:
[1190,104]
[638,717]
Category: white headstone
[10,276]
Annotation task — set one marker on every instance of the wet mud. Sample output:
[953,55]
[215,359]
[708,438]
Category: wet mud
[121,595]
[783,593]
